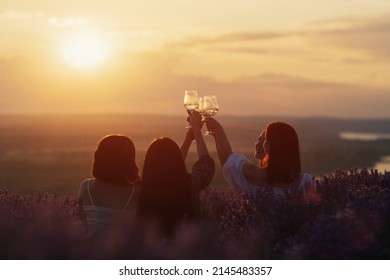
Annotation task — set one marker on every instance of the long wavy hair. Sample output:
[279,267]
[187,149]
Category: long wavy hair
[165,195]
[282,161]
[114,160]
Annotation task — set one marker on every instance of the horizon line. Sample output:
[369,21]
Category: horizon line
[43,114]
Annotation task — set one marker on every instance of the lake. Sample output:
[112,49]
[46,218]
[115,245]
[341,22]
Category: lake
[382,165]
[364,136]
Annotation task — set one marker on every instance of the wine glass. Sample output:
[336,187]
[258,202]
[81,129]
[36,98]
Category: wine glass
[200,107]
[216,106]
[191,101]
[209,108]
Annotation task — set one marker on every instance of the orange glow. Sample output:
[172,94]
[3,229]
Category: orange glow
[251,54]
[84,50]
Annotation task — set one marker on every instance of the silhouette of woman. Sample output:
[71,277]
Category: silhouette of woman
[113,190]
[277,150]
[169,195]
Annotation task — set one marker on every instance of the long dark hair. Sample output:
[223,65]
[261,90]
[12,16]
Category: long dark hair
[283,163]
[114,160]
[165,195]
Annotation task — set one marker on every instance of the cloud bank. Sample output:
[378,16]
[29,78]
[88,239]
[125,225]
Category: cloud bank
[285,76]
[146,85]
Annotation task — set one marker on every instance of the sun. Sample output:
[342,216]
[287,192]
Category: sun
[84,50]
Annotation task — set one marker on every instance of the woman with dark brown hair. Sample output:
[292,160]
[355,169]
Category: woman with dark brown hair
[277,150]
[113,190]
[169,195]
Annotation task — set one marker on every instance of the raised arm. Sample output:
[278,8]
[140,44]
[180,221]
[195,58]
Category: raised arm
[196,123]
[185,146]
[222,143]
[194,133]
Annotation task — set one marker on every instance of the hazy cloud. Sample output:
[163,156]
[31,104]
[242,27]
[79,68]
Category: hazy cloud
[19,14]
[247,50]
[371,35]
[67,22]
[147,85]
[274,94]
[227,38]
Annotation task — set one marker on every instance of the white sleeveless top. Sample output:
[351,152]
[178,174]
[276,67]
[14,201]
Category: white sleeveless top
[102,217]
[234,175]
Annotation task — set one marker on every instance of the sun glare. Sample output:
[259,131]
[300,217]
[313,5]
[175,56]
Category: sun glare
[84,50]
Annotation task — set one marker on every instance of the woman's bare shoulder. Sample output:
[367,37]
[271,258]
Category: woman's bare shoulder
[83,187]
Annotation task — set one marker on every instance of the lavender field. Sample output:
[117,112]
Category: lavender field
[43,159]
[346,219]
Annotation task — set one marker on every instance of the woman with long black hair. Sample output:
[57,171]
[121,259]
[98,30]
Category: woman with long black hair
[169,195]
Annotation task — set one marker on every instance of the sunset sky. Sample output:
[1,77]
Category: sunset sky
[259,57]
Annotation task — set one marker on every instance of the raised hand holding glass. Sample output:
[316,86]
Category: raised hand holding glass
[191,101]
[209,108]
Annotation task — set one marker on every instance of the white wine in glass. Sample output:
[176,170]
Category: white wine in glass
[216,106]
[200,107]
[191,101]
[209,108]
